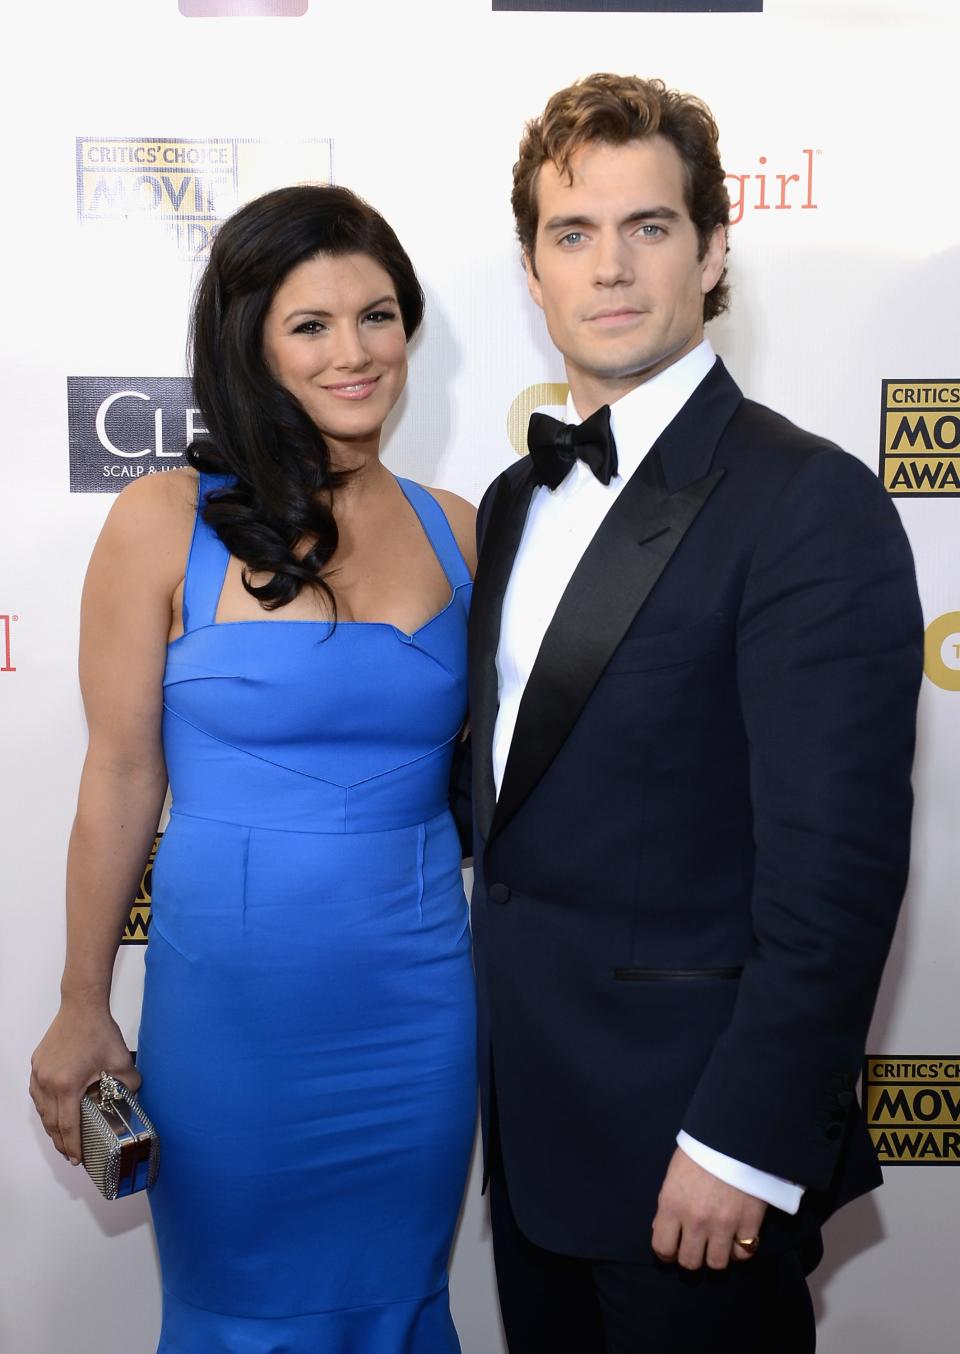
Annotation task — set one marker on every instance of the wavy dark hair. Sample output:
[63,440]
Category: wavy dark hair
[614,110]
[257,431]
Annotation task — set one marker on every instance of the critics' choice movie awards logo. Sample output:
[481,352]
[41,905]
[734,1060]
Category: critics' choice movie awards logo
[243,9]
[124,427]
[138,922]
[913,1109]
[920,438]
[636,6]
[188,186]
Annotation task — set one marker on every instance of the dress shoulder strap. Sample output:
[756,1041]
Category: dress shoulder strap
[438,532]
[206,563]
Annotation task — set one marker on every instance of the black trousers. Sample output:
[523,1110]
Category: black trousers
[557,1304]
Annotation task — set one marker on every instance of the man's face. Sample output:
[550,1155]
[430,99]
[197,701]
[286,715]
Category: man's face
[617,270]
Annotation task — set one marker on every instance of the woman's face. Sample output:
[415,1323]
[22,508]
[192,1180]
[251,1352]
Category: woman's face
[333,337]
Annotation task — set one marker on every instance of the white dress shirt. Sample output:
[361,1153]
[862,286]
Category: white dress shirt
[560,525]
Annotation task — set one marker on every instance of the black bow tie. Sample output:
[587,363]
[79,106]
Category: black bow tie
[554,446]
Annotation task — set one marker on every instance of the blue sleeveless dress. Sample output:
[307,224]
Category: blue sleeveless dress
[307,1038]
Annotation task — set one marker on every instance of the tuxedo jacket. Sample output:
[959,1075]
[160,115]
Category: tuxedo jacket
[686,889]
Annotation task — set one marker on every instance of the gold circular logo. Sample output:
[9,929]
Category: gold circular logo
[941,651]
[544,392]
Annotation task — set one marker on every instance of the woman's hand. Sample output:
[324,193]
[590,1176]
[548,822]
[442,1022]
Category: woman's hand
[82,1042]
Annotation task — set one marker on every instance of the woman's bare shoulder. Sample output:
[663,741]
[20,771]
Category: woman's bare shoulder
[172,493]
[152,519]
[462,517]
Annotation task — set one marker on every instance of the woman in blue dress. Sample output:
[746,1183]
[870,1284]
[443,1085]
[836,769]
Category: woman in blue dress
[281,632]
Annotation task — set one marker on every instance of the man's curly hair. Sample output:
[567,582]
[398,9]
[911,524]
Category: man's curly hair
[615,109]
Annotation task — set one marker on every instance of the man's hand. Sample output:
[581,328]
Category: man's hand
[699,1217]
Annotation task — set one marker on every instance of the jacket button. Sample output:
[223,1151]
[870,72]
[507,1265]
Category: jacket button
[844,1098]
[498,893]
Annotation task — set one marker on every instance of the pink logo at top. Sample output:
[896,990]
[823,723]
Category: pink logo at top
[243,9]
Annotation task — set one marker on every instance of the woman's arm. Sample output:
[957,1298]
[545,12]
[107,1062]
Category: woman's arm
[126,617]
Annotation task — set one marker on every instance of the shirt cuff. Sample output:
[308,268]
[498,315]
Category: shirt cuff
[772,1189]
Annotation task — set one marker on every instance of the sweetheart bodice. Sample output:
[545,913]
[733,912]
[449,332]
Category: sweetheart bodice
[307,725]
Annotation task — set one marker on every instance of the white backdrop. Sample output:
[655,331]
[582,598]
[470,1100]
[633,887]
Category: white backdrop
[845,277]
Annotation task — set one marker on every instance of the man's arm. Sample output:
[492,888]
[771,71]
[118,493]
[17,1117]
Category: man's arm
[461,771]
[461,793]
[772,1189]
[829,662]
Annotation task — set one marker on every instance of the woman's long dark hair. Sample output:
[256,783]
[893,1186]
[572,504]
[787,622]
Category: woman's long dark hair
[258,432]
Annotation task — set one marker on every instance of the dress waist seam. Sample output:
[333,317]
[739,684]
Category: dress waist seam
[314,832]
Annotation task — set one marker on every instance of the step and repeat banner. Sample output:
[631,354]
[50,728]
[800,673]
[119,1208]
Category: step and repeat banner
[132,131]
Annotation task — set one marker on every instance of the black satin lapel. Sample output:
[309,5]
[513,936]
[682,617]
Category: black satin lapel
[499,547]
[616,575]
[688,444]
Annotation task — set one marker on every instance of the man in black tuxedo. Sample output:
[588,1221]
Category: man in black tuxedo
[696,652]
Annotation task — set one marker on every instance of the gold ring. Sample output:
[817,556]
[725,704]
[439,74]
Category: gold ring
[747,1243]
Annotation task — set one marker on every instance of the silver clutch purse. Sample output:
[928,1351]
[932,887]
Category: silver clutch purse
[121,1149]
